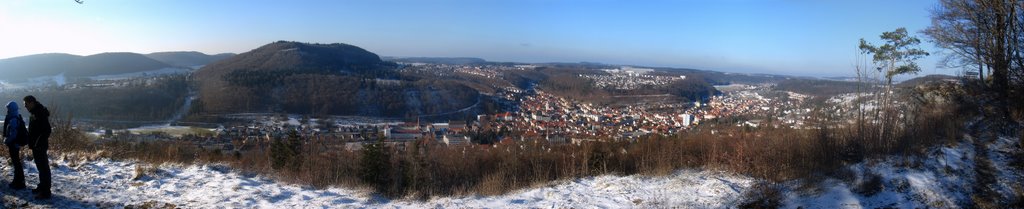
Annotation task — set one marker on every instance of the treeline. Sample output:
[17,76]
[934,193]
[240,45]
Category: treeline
[566,82]
[693,88]
[336,94]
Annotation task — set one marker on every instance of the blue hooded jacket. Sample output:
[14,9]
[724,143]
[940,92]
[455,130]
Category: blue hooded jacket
[12,123]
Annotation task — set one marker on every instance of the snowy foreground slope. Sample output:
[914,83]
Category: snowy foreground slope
[945,178]
[110,184]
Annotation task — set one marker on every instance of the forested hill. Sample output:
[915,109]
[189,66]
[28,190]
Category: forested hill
[307,78]
[302,57]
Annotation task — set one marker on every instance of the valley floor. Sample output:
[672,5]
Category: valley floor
[946,178]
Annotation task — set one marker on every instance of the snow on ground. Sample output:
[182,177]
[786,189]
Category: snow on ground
[935,182]
[175,131]
[684,189]
[109,184]
[944,178]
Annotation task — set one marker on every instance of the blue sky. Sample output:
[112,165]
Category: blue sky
[795,37]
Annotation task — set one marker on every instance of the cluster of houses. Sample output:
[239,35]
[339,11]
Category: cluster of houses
[449,70]
[748,100]
[630,78]
[450,133]
[556,119]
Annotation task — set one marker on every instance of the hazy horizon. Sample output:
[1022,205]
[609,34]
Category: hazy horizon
[804,38]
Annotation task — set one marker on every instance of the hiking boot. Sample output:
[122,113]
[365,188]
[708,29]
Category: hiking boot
[35,191]
[43,195]
[16,186]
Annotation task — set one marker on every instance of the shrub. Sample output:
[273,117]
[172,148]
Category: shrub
[143,172]
[375,164]
[285,154]
[870,185]
[762,195]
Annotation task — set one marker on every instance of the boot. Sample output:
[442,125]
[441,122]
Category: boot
[43,195]
[16,186]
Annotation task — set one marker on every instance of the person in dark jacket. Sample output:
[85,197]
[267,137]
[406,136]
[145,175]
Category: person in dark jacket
[13,124]
[39,140]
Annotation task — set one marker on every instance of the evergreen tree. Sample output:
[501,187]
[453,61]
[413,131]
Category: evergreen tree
[374,165]
[286,154]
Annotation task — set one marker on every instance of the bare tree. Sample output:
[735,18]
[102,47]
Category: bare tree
[982,33]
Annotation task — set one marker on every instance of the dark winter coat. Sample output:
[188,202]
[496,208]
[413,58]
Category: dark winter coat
[39,126]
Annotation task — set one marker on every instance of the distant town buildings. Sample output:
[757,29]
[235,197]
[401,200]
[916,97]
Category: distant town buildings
[536,115]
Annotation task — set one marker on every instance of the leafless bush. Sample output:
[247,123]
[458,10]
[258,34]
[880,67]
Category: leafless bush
[146,171]
[870,185]
[763,195]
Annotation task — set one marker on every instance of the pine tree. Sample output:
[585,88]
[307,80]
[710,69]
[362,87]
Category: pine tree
[278,154]
[286,154]
[374,165]
[295,150]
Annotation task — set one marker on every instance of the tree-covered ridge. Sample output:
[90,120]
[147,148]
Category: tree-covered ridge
[334,79]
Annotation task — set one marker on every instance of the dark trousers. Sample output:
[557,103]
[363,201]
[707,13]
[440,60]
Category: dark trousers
[42,161]
[19,167]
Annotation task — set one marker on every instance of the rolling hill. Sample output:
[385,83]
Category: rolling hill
[308,78]
[32,66]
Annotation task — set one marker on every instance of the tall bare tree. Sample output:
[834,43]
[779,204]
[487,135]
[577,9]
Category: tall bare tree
[982,33]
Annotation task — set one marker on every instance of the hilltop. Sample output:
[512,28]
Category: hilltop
[310,78]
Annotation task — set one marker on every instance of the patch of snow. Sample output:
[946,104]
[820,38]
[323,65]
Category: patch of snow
[684,189]
[175,131]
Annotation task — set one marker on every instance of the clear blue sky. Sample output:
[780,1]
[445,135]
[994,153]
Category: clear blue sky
[796,37]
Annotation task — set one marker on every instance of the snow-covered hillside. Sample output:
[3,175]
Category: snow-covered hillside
[945,178]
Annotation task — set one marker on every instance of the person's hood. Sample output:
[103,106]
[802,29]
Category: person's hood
[12,108]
